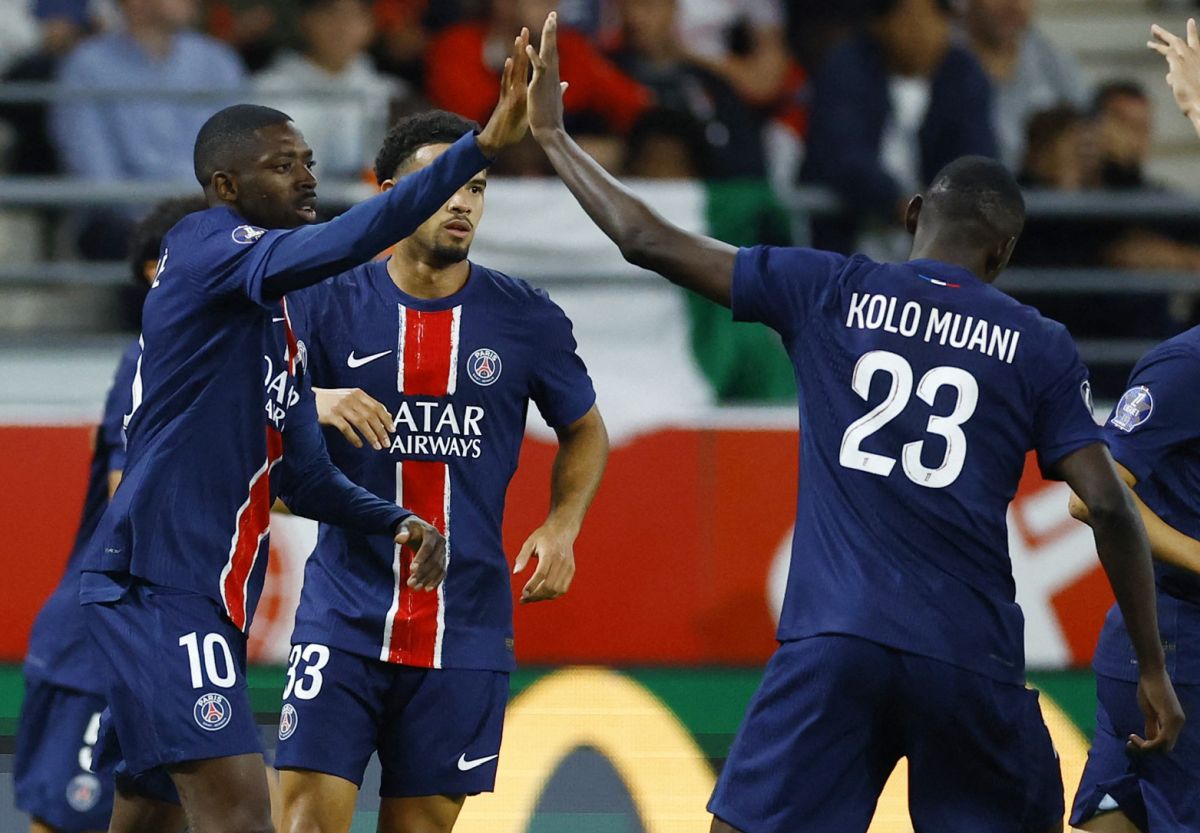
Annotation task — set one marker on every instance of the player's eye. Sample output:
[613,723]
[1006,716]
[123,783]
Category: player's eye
[283,168]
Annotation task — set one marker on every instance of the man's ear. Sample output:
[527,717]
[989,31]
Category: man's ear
[912,213]
[225,186]
[387,185]
[998,259]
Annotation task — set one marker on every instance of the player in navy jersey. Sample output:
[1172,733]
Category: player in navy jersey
[222,423]
[429,363]
[60,714]
[921,390]
[1155,438]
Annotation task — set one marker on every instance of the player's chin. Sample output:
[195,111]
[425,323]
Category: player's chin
[454,251]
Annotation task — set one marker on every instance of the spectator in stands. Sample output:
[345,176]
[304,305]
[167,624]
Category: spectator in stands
[464,61]
[742,41]
[352,112]
[18,32]
[890,108]
[665,144]
[146,138]
[1028,72]
[651,52]
[1125,123]
[252,27]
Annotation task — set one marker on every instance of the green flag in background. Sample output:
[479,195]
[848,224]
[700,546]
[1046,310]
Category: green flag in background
[743,362]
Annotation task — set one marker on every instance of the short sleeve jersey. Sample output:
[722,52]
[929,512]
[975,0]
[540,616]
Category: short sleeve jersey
[1154,432]
[457,374]
[59,652]
[921,391]
[219,378]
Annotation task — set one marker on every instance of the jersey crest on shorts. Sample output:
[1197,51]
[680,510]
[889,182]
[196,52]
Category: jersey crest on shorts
[83,792]
[484,366]
[1134,409]
[212,712]
[287,721]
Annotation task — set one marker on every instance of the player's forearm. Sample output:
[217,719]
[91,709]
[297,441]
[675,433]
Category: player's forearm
[644,237]
[578,468]
[1124,551]
[1167,543]
[310,254]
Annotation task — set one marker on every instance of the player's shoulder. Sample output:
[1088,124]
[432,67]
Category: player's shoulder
[506,289]
[1182,352]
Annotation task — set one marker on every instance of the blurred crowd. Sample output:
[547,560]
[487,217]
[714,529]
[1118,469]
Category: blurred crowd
[867,97]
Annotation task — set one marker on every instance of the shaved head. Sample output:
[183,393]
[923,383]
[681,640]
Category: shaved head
[229,137]
[978,199]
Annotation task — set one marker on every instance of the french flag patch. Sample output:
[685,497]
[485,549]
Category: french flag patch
[936,282]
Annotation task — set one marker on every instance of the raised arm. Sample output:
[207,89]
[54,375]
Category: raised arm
[1125,555]
[645,238]
[1183,63]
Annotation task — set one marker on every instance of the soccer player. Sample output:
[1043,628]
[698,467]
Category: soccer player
[433,360]
[1155,438]
[222,423]
[60,715]
[921,390]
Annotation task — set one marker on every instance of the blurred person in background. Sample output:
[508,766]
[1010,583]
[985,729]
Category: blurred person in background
[251,27]
[743,41]
[652,51]
[891,108]
[665,144]
[144,137]
[1028,72]
[463,62]
[18,32]
[349,116]
[1125,121]
[60,714]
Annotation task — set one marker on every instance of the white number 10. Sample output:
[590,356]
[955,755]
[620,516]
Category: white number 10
[949,427]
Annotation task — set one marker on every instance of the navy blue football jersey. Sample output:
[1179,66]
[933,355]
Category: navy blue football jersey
[457,374]
[921,391]
[1154,432]
[58,645]
[221,382]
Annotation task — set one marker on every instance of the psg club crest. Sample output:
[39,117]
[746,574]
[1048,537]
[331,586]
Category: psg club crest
[212,712]
[287,721]
[247,234]
[484,366]
[83,792]
[1134,408]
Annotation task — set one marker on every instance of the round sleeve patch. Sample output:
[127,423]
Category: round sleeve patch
[1134,409]
[245,235]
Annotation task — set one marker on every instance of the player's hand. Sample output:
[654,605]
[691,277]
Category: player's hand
[428,566]
[1183,63]
[509,120]
[1164,716]
[353,412]
[554,548]
[546,89]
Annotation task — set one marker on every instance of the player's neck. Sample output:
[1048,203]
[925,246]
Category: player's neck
[951,255]
[421,279]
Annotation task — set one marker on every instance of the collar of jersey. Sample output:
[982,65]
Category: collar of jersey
[474,280]
[944,271]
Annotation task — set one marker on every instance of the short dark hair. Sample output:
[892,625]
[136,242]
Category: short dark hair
[1117,88]
[226,134]
[411,133]
[979,197]
[145,242]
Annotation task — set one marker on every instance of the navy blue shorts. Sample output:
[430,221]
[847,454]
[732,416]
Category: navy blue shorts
[52,772]
[834,714]
[1159,792]
[437,731]
[176,685]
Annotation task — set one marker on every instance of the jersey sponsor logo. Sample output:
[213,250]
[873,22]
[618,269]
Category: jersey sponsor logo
[438,429]
[353,361]
[1085,390]
[245,235]
[212,712]
[465,765]
[484,366]
[83,792]
[287,721]
[1134,409]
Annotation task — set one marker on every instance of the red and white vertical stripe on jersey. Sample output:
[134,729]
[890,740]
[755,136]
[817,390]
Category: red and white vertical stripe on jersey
[253,523]
[254,517]
[427,365]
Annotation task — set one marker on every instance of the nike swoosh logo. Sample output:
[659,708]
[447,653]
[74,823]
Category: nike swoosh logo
[466,766]
[355,361]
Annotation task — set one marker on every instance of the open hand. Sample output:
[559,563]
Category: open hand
[1183,63]
[555,552]
[354,413]
[546,89]
[1164,716]
[509,121]
[428,566]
